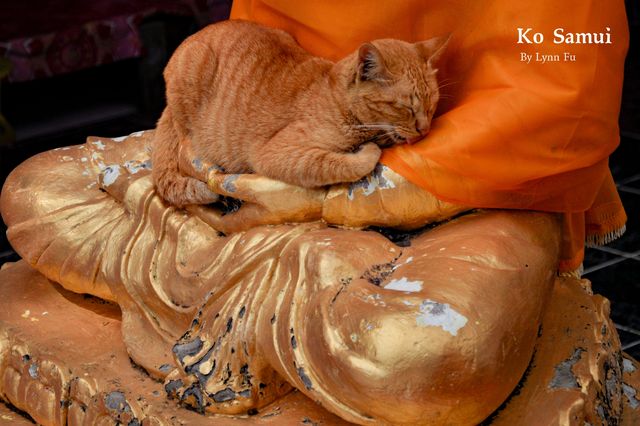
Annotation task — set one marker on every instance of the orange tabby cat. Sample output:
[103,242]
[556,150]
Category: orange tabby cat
[250,99]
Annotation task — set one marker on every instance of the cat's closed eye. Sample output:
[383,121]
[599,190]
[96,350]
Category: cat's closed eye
[405,109]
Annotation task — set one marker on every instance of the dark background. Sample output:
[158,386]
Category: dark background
[128,95]
[614,269]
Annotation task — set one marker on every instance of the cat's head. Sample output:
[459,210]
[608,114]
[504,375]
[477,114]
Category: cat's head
[392,89]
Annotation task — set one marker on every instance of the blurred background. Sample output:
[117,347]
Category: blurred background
[74,68]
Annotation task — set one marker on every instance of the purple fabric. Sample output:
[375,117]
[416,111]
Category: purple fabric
[44,38]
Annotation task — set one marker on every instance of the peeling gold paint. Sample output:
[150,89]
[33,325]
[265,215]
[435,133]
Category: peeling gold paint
[310,319]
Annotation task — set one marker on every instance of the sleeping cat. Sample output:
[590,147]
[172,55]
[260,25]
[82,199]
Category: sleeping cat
[250,99]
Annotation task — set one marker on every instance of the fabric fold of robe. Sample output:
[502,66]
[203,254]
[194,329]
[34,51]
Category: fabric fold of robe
[520,125]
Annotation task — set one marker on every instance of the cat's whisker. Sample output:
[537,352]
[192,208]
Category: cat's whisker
[405,129]
[446,80]
[373,122]
[447,84]
[372,126]
[382,135]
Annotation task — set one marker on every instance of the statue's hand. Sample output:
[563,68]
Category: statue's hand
[384,198]
[264,202]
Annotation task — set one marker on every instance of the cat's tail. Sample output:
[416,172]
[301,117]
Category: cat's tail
[174,187]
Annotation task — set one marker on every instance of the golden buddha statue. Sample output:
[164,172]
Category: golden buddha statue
[283,308]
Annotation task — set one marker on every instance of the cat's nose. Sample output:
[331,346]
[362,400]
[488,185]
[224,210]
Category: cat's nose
[423,128]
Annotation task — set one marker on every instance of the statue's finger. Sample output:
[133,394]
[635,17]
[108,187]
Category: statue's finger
[245,187]
[248,216]
[211,217]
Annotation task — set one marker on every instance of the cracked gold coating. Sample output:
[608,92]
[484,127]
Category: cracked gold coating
[82,374]
[239,313]
[581,382]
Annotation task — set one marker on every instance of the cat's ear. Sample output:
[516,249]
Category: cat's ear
[432,49]
[370,64]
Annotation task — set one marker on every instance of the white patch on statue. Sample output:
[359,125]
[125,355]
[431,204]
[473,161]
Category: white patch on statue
[368,184]
[376,299]
[627,366]
[96,156]
[110,174]
[229,183]
[134,166]
[440,315]
[632,396]
[33,370]
[197,163]
[99,145]
[403,284]
[134,134]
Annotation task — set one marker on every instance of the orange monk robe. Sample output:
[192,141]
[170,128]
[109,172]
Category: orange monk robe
[511,132]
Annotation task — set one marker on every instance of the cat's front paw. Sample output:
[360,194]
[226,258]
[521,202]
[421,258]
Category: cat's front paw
[366,159]
[200,193]
[182,191]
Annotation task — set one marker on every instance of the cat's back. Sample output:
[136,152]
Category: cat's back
[237,47]
[245,33]
[235,84]
[237,66]
[242,39]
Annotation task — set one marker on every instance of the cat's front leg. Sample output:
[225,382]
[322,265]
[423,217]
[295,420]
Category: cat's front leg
[293,157]
[175,187]
[364,160]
